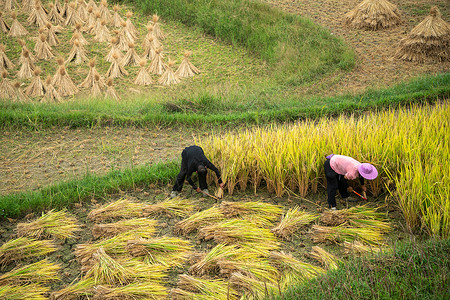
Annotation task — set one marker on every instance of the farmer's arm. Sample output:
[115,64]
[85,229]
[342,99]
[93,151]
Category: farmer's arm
[212,167]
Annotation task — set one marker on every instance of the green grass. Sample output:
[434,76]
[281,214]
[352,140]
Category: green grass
[413,270]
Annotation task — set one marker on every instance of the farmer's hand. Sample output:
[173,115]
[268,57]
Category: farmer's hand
[363,187]
[350,189]
[222,185]
[198,190]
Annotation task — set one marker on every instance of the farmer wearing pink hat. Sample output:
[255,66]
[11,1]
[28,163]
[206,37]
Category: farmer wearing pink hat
[339,169]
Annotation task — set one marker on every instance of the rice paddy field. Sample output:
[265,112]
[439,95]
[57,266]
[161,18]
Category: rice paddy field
[89,155]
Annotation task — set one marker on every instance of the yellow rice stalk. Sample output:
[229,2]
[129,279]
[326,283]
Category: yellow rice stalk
[112,229]
[23,248]
[325,258]
[19,292]
[199,219]
[167,251]
[240,232]
[256,288]
[54,224]
[138,290]
[357,247]
[39,272]
[216,289]
[122,208]
[341,234]
[209,261]
[83,287]
[265,213]
[106,270]
[140,271]
[172,207]
[256,268]
[287,264]
[292,221]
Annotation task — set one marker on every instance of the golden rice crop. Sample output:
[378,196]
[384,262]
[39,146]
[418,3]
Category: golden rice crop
[84,287]
[260,213]
[137,290]
[341,234]
[112,229]
[106,270]
[327,259]
[210,288]
[292,221]
[140,271]
[39,272]
[23,248]
[357,247]
[54,224]
[287,264]
[30,291]
[209,261]
[121,208]
[253,287]
[256,268]
[173,207]
[199,219]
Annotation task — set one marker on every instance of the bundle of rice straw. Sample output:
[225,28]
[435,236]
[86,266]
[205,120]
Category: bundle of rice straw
[129,25]
[111,229]
[199,219]
[63,10]
[3,26]
[28,291]
[357,247]
[88,82]
[136,290]
[52,39]
[110,90]
[91,20]
[10,5]
[40,272]
[37,15]
[150,39]
[157,66]
[157,29]
[117,19]
[149,50]
[143,77]
[114,50]
[193,287]
[259,213]
[36,87]
[328,260]
[208,262]
[63,83]
[24,248]
[341,234]
[20,95]
[131,58]
[51,94]
[102,33]
[92,4]
[16,28]
[373,15]
[96,91]
[430,39]
[104,11]
[78,35]
[252,286]
[289,264]
[59,7]
[186,68]
[5,63]
[72,16]
[172,207]
[27,5]
[125,37]
[82,10]
[54,16]
[78,54]
[169,77]
[292,221]
[121,208]
[22,58]
[116,68]
[54,224]
[84,287]
[6,88]
[106,270]
[27,67]
[43,49]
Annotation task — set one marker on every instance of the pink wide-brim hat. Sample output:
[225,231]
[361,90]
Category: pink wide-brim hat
[367,171]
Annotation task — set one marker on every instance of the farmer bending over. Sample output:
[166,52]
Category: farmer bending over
[339,169]
[194,160]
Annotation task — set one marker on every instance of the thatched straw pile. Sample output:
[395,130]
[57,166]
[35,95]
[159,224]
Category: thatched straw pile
[37,15]
[78,35]
[428,40]
[25,49]
[36,87]
[3,26]
[16,28]
[157,66]
[54,16]
[131,30]
[143,77]
[157,29]
[27,67]
[117,19]
[20,95]
[72,16]
[10,5]
[88,82]
[102,33]
[51,94]
[131,58]
[116,68]
[64,83]
[110,90]
[328,260]
[5,62]
[43,49]
[52,39]
[78,54]
[6,88]
[186,68]
[373,15]
[114,44]
[169,77]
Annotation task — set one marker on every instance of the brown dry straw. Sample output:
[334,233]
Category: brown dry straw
[5,63]
[10,5]
[51,94]
[131,58]
[43,49]
[3,26]
[111,91]
[186,68]
[72,16]
[37,15]
[373,15]
[54,16]
[78,54]
[52,39]
[27,67]
[143,77]
[129,25]
[16,29]
[88,82]
[36,87]
[112,229]
[20,95]
[114,50]
[78,35]
[102,32]
[6,89]
[169,77]
[430,39]
[116,68]
[104,11]
[157,66]
[117,19]
[63,83]
[96,91]
[25,49]
[157,28]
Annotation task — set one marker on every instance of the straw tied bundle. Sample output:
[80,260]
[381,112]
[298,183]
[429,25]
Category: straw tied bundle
[373,15]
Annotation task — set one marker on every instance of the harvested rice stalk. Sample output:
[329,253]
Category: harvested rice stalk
[258,289]
[88,82]
[373,15]
[143,272]
[64,83]
[51,94]
[106,270]
[157,28]
[6,88]
[78,54]
[10,5]
[37,15]
[157,66]
[292,221]
[18,292]
[78,35]
[328,260]
[27,67]
[24,248]
[114,50]
[110,91]
[167,251]
[54,224]
[83,287]
[131,58]
[19,93]
[117,19]
[25,49]
[357,247]
[186,68]
[40,272]
[16,28]
[116,69]
[199,219]
[286,263]
[36,87]
[256,268]
[3,26]
[265,212]
[172,207]
[211,289]
[72,16]
[5,62]
[341,234]
[102,33]
[104,11]
[52,39]
[143,77]
[112,229]
[209,261]
[130,27]
[138,290]
[121,208]
[169,77]
[53,15]
[96,91]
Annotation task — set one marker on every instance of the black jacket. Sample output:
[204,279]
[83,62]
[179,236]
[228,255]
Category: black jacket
[191,158]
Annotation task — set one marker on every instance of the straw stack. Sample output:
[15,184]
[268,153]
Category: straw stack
[110,91]
[157,29]
[27,67]
[52,39]
[43,49]
[20,95]
[104,11]
[131,58]
[5,62]
[169,77]
[54,16]
[78,54]
[77,34]
[428,40]
[63,83]
[157,65]
[373,15]
[186,68]
[117,19]
[88,82]
[72,16]
[6,88]
[37,15]
[116,69]
[25,49]
[51,94]
[36,87]
[129,25]
[114,50]
[102,33]
[3,26]
[16,28]
[10,5]
[143,77]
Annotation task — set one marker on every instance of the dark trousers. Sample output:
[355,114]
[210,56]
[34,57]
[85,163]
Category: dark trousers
[182,176]
[335,181]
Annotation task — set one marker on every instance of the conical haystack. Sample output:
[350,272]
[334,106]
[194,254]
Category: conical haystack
[78,35]
[78,54]
[110,91]
[54,16]
[117,19]
[169,77]
[63,11]
[157,29]
[428,40]
[96,91]
[143,77]
[72,16]
[6,88]
[186,68]
[64,84]
[27,67]
[43,49]
[116,69]
[90,23]
[130,27]
[10,5]
[373,15]
[92,4]
[51,94]
[20,95]
[59,7]
[88,82]
[131,58]
[36,87]
[3,26]
[102,33]
[124,37]
[114,50]
[157,65]
[37,15]
[16,28]
[52,39]
[5,62]
[150,49]
[32,58]
[82,10]
[104,11]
